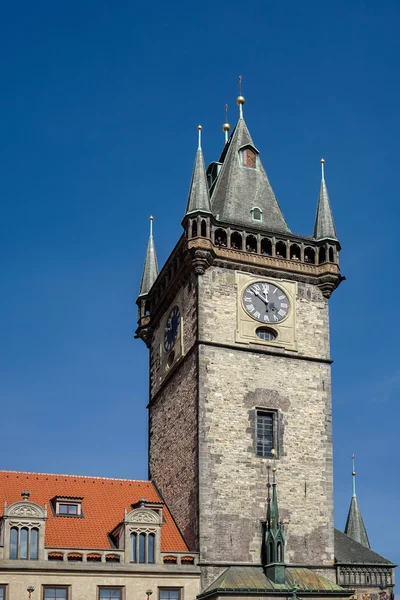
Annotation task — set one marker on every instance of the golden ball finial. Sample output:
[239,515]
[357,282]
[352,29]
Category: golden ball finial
[274,469]
[226,127]
[199,127]
[240,100]
[322,161]
[151,218]
[353,473]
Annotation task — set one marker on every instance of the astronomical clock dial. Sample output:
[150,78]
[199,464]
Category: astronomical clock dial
[265,302]
[171,330]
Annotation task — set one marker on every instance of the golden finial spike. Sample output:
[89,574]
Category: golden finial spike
[151,219]
[240,99]
[226,127]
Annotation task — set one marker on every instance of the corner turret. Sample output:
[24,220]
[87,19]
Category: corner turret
[355,527]
[274,543]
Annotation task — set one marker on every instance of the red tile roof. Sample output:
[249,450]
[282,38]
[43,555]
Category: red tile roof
[103,505]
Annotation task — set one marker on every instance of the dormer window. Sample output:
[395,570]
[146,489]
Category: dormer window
[67,506]
[142,532]
[249,158]
[256,214]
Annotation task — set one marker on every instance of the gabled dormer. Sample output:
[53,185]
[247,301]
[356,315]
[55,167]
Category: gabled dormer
[23,529]
[142,533]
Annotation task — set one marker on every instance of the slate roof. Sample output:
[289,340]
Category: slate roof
[324,227]
[199,197]
[103,505]
[253,579]
[150,268]
[238,188]
[349,551]
[355,527]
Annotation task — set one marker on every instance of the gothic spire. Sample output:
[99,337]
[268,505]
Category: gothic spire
[150,269]
[274,542]
[274,524]
[243,185]
[355,527]
[324,227]
[199,198]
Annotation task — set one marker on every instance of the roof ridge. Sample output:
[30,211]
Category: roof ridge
[80,476]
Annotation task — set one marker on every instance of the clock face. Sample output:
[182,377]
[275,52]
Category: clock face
[171,330]
[265,302]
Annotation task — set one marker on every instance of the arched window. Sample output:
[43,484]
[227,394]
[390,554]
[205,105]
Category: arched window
[279,552]
[150,548]
[280,249]
[251,243]
[220,238]
[256,214]
[309,255]
[249,158]
[295,252]
[322,255]
[236,241]
[271,552]
[34,544]
[331,259]
[142,548]
[133,547]
[14,542]
[203,228]
[194,228]
[266,247]
[24,543]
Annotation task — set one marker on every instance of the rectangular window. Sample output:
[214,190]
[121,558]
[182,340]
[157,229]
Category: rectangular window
[2,592]
[170,594]
[68,509]
[55,593]
[265,433]
[110,593]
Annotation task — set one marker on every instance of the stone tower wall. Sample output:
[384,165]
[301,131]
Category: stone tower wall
[173,427]
[234,381]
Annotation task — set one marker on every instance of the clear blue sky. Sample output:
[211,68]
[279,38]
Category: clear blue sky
[98,110]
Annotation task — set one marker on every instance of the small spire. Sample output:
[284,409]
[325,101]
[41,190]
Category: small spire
[240,99]
[150,269]
[324,227]
[355,527]
[354,476]
[199,196]
[226,127]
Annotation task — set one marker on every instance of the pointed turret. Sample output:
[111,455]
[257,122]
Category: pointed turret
[199,197]
[355,527]
[242,184]
[274,542]
[150,269]
[324,227]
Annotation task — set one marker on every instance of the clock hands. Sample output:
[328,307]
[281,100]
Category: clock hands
[265,300]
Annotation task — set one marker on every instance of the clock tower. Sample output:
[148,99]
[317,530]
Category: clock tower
[237,324]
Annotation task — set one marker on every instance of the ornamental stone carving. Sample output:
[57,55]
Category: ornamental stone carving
[25,509]
[143,516]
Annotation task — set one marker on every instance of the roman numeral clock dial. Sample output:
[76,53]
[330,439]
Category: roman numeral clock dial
[171,329]
[265,302]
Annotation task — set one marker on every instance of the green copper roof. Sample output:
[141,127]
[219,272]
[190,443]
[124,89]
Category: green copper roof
[252,579]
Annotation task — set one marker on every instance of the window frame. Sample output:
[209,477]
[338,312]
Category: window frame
[4,588]
[274,414]
[254,208]
[138,536]
[19,530]
[55,587]
[173,589]
[245,157]
[120,588]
